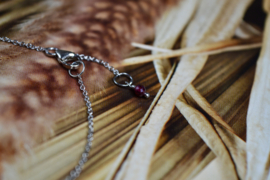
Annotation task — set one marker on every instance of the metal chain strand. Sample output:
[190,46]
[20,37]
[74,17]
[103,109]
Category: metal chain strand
[105,64]
[77,170]
[22,44]
[46,50]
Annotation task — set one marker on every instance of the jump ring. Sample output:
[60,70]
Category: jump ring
[79,74]
[127,84]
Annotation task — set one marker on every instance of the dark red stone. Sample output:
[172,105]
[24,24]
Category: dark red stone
[139,90]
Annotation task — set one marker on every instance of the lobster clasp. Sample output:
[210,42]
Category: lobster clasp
[68,59]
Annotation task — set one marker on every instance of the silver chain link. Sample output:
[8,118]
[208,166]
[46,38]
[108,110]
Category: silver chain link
[22,44]
[105,64]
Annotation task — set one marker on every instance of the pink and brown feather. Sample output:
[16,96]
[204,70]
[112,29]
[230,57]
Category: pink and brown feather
[35,90]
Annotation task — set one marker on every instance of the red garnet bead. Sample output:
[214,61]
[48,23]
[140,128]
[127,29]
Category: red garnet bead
[139,90]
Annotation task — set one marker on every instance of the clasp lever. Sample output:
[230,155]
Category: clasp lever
[64,57]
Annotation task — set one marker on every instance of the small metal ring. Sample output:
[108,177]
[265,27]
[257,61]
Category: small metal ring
[128,84]
[73,65]
[79,74]
[50,49]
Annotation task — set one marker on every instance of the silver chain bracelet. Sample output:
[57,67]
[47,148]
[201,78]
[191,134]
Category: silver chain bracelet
[73,61]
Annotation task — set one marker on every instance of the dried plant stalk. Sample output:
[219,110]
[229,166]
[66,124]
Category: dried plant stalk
[235,145]
[258,136]
[161,66]
[166,36]
[266,5]
[205,105]
[214,140]
[207,132]
[246,30]
[184,161]
[188,68]
[211,171]
[207,49]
